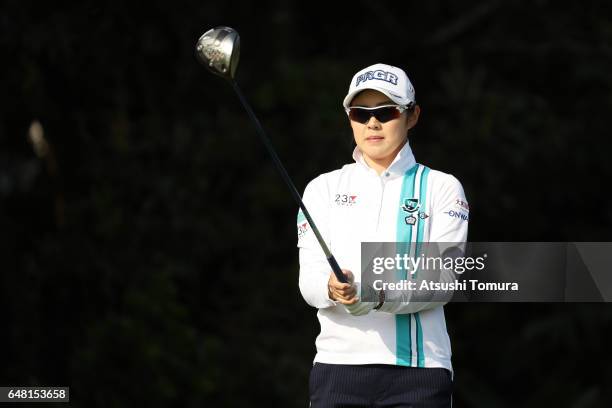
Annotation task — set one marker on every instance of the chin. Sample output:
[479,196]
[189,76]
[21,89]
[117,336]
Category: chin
[377,154]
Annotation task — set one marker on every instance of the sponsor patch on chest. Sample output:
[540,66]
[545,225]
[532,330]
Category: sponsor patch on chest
[345,200]
[412,206]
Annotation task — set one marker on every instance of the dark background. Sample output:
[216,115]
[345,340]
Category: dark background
[148,258]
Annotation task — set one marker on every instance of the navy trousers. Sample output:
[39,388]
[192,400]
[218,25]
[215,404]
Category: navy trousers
[380,386]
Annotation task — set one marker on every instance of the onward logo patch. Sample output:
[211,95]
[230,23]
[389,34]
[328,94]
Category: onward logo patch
[410,205]
[379,74]
[457,214]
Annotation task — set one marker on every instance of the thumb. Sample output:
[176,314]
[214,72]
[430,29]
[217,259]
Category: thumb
[349,276]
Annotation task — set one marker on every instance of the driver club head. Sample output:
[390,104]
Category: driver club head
[218,49]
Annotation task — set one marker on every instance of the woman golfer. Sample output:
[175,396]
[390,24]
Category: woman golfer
[378,353]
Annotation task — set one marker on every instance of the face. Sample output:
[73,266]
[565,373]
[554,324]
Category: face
[380,142]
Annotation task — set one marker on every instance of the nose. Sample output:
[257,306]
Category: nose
[373,123]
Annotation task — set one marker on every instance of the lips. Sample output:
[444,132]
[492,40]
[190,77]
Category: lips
[374,138]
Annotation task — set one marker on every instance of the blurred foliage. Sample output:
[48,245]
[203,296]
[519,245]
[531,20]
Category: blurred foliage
[157,265]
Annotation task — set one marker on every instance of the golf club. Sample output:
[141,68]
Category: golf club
[218,50]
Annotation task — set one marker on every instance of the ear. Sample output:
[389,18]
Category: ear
[413,118]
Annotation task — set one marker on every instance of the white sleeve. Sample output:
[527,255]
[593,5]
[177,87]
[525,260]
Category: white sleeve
[449,228]
[314,268]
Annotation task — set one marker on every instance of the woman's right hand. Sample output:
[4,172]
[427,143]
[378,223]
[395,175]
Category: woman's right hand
[345,293]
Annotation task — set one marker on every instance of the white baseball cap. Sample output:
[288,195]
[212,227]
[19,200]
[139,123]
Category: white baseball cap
[391,81]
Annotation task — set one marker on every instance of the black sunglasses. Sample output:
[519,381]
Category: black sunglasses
[382,114]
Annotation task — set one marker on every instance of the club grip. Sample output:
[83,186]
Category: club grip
[336,268]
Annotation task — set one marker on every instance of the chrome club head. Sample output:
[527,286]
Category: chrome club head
[219,50]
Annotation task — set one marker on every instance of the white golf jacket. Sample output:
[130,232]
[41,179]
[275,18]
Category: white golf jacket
[352,205]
